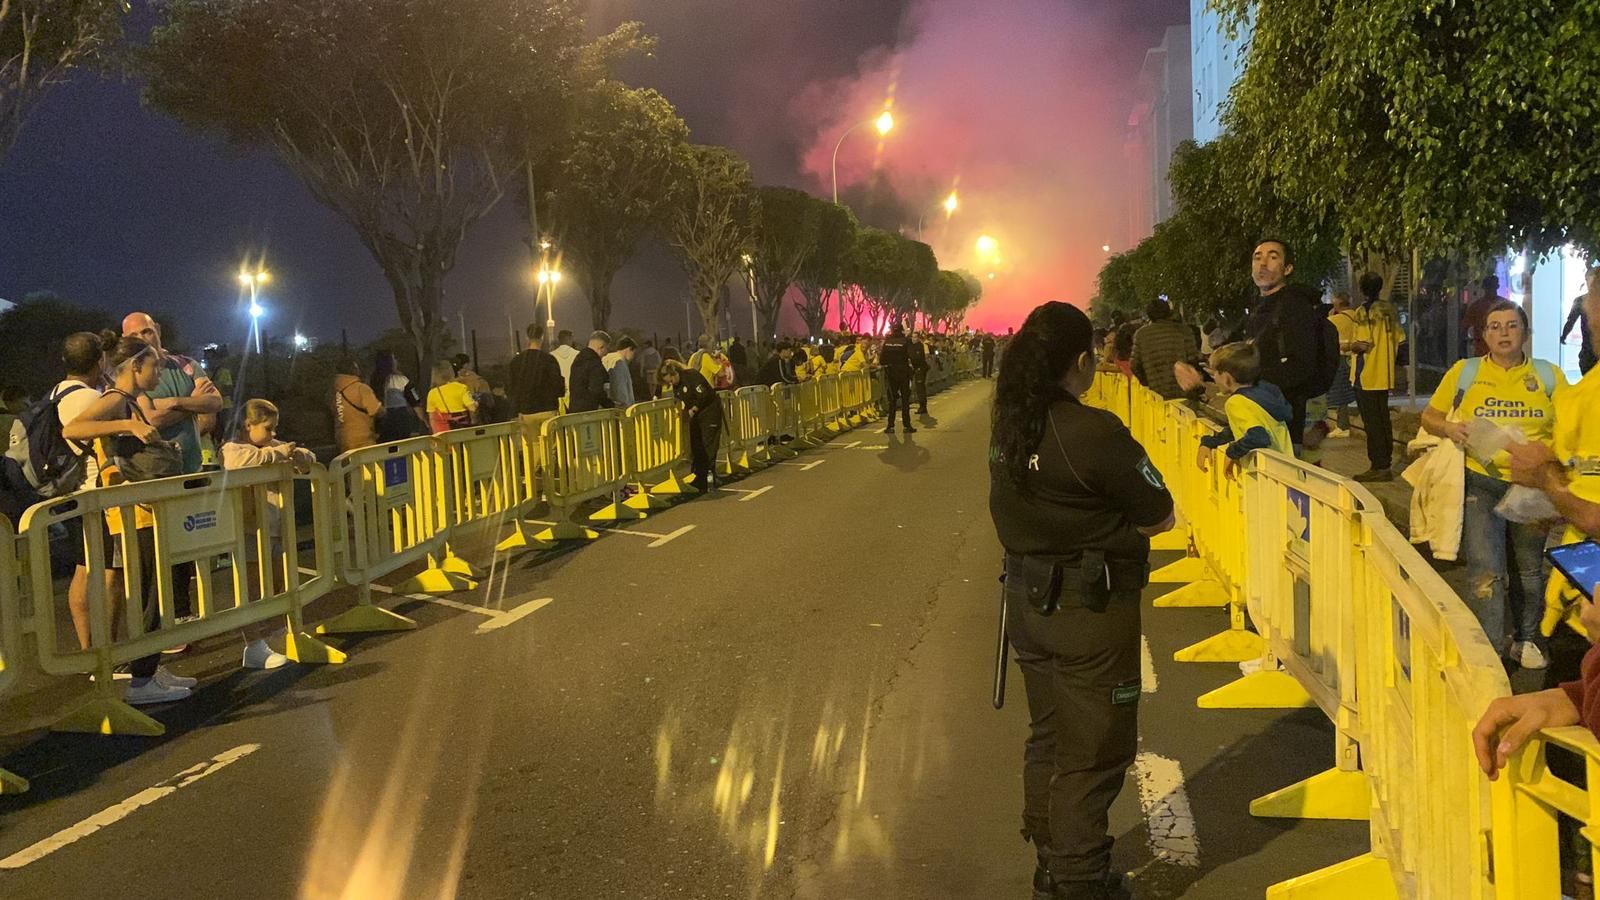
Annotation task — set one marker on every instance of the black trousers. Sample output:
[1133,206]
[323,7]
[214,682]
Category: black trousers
[899,388]
[921,378]
[1374,407]
[988,365]
[705,436]
[1081,671]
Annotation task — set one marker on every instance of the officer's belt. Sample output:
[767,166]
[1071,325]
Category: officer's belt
[1048,583]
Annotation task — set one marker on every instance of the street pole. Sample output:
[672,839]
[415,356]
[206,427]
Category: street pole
[1411,326]
[836,159]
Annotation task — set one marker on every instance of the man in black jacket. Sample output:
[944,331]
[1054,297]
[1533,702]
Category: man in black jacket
[536,384]
[919,372]
[895,359]
[589,377]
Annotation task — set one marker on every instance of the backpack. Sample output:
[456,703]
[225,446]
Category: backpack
[1326,365]
[1542,370]
[39,461]
[725,378]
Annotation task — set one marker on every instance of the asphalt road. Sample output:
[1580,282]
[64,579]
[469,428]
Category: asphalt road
[789,700]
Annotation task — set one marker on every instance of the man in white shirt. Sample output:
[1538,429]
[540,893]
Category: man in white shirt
[565,353]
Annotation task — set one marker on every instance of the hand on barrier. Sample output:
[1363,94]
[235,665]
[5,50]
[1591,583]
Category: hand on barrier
[1203,459]
[1510,722]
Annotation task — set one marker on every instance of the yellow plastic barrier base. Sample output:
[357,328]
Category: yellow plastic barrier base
[520,540]
[616,512]
[672,487]
[435,581]
[455,565]
[568,531]
[1366,877]
[1334,794]
[303,648]
[365,618]
[1184,571]
[109,715]
[11,783]
[1228,647]
[781,451]
[1176,539]
[1206,594]
[1261,690]
[644,501]
[833,427]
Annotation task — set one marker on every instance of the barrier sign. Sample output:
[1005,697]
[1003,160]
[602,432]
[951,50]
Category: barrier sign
[197,526]
[483,461]
[589,439]
[1300,521]
[396,487]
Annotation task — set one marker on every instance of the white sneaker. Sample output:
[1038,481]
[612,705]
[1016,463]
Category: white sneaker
[1528,655]
[257,655]
[1339,433]
[166,677]
[145,691]
[1252,666]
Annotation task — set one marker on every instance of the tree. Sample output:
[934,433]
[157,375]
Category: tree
[1116,291]
[41,43]
[885,274]
[405,117]
[32,334]
[712,224]
[948,298]
[610,184]
[787,233]
[823,269]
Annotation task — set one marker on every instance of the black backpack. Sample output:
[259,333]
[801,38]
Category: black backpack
[40,464]
[1326,365]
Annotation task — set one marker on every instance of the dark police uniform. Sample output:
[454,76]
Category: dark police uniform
[895,358]
[1075,567]
[919,372]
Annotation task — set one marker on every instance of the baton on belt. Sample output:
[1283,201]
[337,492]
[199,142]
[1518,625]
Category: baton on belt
[1000,652]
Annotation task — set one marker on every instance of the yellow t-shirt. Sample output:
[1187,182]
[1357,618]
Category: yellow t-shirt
[450,397]
[1244,414]
[1345,323]
[1577,446]
[1513,397]
[1379,326]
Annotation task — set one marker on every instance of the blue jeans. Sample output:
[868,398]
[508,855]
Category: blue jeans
[1500,553]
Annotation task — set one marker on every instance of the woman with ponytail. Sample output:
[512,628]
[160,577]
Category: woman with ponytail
[1075,501]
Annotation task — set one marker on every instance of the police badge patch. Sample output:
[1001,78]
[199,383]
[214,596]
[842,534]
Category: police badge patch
[1148,470]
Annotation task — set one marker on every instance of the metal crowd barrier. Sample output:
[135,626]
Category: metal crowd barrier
[1368,632]
[184,527]
[398,499]
[745,429]
[833,420]
[584,459]
[10,633]
[809,413]
[656,449]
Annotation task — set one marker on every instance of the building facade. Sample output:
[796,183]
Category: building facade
[1162,117]
[1216,62]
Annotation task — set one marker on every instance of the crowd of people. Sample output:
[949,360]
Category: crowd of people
[128,409]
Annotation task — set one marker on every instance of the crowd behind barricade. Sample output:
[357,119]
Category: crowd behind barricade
[128,410]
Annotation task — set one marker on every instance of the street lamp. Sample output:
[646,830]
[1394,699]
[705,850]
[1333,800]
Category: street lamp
[548,279]
[254,281]
[300,341]
[951,204]
[1105,248]
[884,124]
[987,246]
[750,280]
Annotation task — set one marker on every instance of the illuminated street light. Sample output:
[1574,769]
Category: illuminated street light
[254,281]
[300,341]
[548,279]
[987,246]
[951,204]
[1105,248]
[884,123]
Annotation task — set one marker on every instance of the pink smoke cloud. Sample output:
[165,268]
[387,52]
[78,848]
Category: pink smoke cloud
[1022,104]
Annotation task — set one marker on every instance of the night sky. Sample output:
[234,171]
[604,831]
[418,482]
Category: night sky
[1019,103]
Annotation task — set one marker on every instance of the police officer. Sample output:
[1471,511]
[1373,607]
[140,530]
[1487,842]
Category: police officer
[1075,501]
[919,371]
[895,358]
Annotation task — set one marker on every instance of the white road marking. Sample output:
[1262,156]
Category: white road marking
[754,494]
[115,814]
[1167,813]
[734,490]
[805,466]
[503,619]
[442,601]
[669,537]
[1147,668]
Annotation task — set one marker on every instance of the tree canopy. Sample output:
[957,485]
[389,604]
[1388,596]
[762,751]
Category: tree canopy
[823,270]
[41,42]
[712,224]
[405,117]
[610,182]
[786,237]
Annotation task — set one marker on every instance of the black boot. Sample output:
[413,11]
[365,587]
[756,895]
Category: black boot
[1110,888]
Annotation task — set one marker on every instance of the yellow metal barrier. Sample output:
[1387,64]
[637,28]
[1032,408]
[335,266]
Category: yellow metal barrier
[584,460]
[493,477]
[745,429]
[184,526]
[10,636]
[398,499]
[1529,801]
[809,411]
[783,411]
[657,449]
[833,420]
[1369,633]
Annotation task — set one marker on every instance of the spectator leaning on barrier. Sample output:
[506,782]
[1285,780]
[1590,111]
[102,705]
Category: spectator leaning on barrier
[619,363]
[355,408]
[1258,415]
[771,372]
[450,403]
[1506,388]
[1157,346]
[120,420]
[1375,349]
[589,379]
[84,356]
[257,444]
[704,409]
[1342,393]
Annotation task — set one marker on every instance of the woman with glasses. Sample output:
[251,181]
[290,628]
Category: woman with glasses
[1506,388]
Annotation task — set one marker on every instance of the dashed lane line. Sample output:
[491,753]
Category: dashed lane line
[804,466]
[1167,812]
[114,814]
[751,495]
[512,615]
[1147,668]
